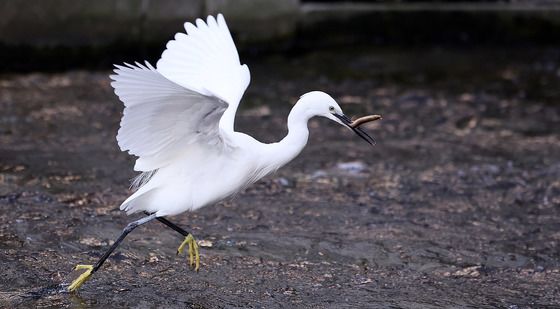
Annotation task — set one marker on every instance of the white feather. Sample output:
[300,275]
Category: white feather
[162,119]
[205,60]
[179,118]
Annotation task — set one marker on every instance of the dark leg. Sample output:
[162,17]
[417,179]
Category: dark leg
[171,225]
[194,256]
[91,269]
[129,228]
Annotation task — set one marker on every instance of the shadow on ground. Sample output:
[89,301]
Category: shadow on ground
[457,206]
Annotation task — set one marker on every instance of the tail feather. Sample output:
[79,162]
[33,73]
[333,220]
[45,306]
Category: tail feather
[138,202]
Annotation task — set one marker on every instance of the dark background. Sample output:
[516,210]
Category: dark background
[457,206]
[59,35]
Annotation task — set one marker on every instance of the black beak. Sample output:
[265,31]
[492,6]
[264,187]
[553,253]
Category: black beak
[361,133]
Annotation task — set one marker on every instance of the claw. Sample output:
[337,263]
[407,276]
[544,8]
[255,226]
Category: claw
[76,284]
[194,257]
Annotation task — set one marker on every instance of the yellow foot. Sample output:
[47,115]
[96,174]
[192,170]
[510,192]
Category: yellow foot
[194,257]
[76,284]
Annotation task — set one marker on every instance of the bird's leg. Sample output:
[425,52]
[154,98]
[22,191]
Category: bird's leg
[194,256]
[90,269]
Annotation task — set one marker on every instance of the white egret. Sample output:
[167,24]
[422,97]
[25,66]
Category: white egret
[179,121]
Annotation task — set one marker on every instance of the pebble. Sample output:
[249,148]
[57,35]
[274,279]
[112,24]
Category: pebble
[354,167]
[205,243]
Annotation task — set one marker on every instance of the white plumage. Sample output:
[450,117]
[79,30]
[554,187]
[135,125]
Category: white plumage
[179,119]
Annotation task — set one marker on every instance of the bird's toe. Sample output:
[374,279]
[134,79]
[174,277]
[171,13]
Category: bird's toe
[194,256]
[76,284]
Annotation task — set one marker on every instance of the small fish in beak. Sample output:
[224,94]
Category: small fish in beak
[358,122]
[355,125]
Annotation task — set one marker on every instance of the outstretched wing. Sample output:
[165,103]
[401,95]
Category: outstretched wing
[205,60]
[191,98]
[161,119]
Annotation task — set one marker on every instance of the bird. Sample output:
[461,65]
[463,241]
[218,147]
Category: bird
[178,121]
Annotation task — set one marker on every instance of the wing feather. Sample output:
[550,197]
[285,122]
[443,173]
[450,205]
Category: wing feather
[205,60]
[191,98]
[161,119]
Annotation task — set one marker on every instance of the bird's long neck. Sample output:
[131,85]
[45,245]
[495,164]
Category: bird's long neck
[296,139]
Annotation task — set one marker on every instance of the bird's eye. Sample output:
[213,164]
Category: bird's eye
[331,108]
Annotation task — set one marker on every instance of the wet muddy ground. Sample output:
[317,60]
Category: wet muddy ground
[457,206]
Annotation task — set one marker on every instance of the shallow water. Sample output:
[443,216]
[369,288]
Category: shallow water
[457,205]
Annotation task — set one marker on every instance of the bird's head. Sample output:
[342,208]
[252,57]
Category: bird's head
[318,103]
